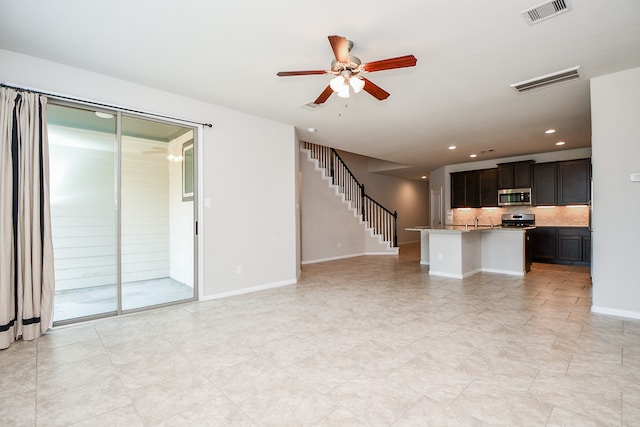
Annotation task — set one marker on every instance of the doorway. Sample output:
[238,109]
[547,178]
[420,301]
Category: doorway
[122,212]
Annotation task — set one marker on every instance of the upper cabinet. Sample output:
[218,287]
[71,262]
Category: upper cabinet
[514,175]
[474,189]
[552,184]
[458,190]
[489,188]
[574,182]
[562,183]
[465,189]
[545,184]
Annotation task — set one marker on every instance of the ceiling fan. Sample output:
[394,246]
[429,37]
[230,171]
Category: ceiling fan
[349,69]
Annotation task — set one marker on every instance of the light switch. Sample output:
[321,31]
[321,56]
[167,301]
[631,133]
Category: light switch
[207,203]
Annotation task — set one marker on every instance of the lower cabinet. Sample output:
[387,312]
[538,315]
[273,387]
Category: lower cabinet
[544,244]
[562,245]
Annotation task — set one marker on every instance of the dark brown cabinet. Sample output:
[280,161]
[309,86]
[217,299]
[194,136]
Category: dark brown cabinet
[574,182]
[574,244]
[465,189]
[544,244]
[552,184]
[562,245]
[545,184]
[458,190]
[586,248]
[474,189]
[514,175]
[489,188]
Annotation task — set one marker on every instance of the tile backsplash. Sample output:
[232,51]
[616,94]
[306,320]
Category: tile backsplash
[545,216]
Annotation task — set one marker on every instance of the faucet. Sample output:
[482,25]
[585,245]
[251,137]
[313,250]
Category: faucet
[475,222]
[491,221]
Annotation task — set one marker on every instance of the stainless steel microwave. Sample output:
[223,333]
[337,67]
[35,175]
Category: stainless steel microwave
[514,196]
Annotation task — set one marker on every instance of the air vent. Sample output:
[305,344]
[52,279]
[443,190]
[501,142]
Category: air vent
[548,80]
[545,11]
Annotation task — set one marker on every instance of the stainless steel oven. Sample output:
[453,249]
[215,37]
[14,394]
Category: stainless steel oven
[514,196]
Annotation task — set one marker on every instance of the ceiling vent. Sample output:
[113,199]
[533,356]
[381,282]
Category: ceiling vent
[546,10]
[548,80]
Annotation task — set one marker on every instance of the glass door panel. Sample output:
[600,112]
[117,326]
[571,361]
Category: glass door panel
[82,148]
[157,215]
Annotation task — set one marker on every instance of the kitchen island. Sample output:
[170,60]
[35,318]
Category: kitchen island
[459,251]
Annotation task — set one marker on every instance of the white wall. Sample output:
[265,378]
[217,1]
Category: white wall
[247,169]
[615,113]
[409,198]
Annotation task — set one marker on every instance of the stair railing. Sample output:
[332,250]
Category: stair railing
[380,219]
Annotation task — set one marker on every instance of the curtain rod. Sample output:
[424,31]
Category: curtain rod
[99,104]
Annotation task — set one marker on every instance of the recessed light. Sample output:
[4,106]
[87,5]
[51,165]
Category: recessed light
[550,131]
[473,156]
[104,115]
[312,130]
[424,176]
[560,143]
[452,147]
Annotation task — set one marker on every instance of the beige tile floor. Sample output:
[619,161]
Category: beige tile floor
[363,341]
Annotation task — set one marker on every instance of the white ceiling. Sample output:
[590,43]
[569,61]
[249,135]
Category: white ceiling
[468,51]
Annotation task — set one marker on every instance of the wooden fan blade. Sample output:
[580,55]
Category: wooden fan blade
[388,64]
[300,73]
[340,48]
[375,90]
[324,95]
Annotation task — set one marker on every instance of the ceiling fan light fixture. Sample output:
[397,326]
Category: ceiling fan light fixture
[338,83]
[356,83]
[344,91]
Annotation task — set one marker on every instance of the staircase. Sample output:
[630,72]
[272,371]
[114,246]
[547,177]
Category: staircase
[378,220]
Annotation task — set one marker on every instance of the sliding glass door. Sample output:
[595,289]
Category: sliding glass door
[157,235]
[123,213]
[83,167]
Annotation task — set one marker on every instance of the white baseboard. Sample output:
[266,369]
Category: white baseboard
[471,273]
[315,261]
[249,290]
[392,251]
[507,272]
[616,312]
[443,274]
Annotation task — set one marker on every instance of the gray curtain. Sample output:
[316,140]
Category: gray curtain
[26,251]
